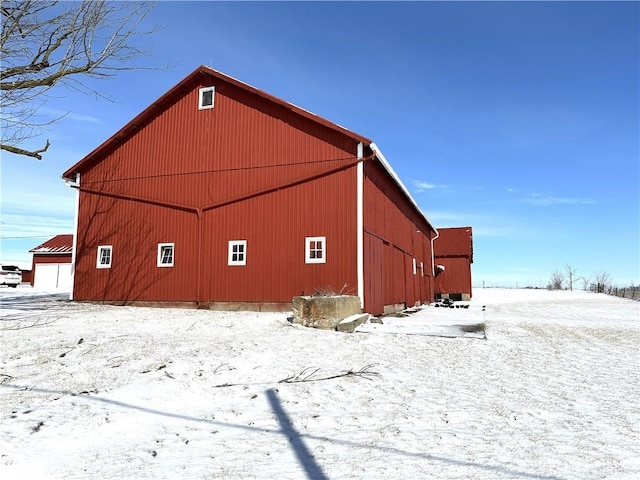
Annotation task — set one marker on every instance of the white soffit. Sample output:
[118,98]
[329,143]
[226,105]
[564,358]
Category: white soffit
[396,178]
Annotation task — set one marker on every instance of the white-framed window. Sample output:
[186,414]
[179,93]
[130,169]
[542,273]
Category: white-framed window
[315,250]
[105,254]
[237,252]
[415,267]
[165,254]
[206,97]
[422,268]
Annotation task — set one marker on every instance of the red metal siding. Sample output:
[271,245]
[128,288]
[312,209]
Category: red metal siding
[199,178]
[454,241]
[27,276]
[456,277]
[374,274]
[134,231]
[395,283]
[243,145]
[58,258]
[454,250]
[275,229]
[400,235]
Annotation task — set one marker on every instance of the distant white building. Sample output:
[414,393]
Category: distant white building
[51,265]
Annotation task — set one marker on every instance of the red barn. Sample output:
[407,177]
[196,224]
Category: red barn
[219,195]
[51,264]
[453,257]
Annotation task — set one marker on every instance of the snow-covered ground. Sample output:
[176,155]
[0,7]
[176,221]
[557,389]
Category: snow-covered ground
[94,392]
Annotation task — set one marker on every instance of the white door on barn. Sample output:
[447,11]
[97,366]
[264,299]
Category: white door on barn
[53,276]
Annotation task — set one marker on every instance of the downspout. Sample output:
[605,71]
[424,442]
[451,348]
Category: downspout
[74,184]
[360,222]
[433,268]
[433,260]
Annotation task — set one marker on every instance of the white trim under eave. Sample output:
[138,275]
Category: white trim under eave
[396,178]
[360,222]
[75,184]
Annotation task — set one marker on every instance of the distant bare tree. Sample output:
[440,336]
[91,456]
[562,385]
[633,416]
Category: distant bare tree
[603,281]
[571,275]
[586,281]
[46,44]
[556,281]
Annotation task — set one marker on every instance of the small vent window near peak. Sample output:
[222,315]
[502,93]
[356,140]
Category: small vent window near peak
[206,98]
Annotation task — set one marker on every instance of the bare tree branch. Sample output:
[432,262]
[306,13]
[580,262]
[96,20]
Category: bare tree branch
[20,151]
[556,281]
[585,282]
[571,274]
[603,281]
[309,374]
[47,44]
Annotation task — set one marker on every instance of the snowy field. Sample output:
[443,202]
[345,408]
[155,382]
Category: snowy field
[97,392]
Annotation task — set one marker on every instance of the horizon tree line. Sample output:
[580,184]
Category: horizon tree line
[567,277]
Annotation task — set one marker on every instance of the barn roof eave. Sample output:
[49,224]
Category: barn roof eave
[387,166]
[60,244]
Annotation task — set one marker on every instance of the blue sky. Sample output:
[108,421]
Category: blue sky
[520,119]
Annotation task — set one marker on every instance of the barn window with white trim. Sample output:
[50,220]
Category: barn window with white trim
[206,98]
[165,254]
[104,256]
[315,250]
[237,252]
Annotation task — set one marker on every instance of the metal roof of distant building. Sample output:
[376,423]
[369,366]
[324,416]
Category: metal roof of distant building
[57,244]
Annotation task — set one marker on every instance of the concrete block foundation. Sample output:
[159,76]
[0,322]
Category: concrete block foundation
[324,312]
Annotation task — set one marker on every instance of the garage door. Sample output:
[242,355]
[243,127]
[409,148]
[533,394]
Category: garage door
[53,276]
